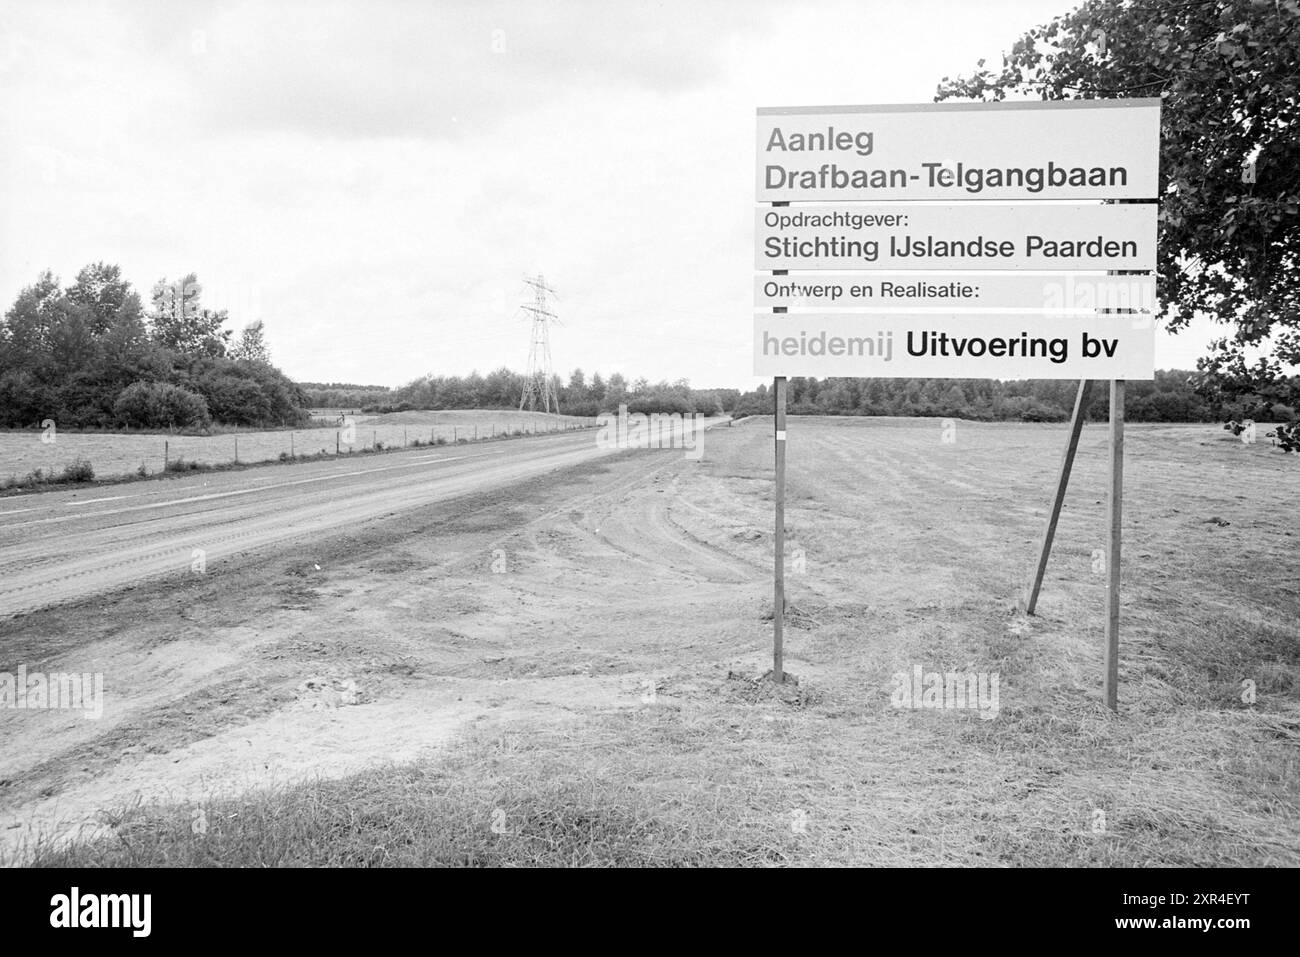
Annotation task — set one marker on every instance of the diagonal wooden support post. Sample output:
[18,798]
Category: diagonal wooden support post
[1058,500]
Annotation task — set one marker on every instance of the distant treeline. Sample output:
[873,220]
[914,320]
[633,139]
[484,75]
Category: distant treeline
[91,356]
[502,389]
[1171,397]
[343,395]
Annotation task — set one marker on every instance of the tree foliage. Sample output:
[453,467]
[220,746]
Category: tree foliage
[251,344]
[1230,155]
[158,405]
[88,356]
[501,389]
[1170,397]
[1239,390]
[179,322]
[343,395]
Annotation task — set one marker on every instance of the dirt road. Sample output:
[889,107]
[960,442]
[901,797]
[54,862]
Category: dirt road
[66,545]
[114,454]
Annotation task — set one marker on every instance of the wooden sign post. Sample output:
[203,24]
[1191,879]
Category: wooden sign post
[778,596]
[1114,507]
[778,537]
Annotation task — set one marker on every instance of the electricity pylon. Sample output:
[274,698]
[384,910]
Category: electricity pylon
[539,384]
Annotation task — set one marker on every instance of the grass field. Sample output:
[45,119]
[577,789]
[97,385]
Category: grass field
[572,674]
[114,454]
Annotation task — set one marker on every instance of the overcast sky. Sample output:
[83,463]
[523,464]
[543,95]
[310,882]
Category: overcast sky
[374,179]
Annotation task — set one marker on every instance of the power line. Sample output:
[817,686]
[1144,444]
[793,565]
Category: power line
[539,378]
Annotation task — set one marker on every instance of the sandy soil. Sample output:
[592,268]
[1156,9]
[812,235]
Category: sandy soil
[206,681]
[584,591]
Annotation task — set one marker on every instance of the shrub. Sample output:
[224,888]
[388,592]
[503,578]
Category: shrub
[586,408]
[79,471]
[384,408]
[246,392]
[1030,409]
[158,405]
[1287,436]
[660,402]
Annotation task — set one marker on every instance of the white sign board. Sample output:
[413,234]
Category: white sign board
[1041,236]
[1071,149]
[1053,292]
[969,346]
